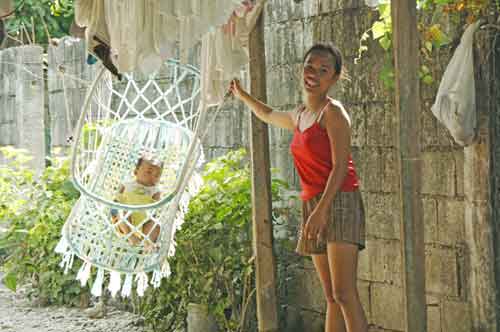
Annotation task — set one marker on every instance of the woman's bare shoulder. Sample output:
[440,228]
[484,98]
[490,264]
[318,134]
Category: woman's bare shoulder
[295,113]
[339,111]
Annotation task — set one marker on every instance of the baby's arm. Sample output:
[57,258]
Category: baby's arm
[123,227]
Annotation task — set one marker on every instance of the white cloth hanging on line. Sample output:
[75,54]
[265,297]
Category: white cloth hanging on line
[6,7]
[142,33]
[375,3]
[224,52]
[90,14]
[455,104]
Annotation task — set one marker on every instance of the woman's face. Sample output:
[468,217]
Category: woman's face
[319,73]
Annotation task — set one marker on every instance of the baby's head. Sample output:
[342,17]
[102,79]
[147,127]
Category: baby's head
[147,173]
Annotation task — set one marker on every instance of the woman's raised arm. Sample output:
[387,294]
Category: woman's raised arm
[261,110]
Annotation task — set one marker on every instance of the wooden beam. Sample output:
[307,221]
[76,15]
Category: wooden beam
[406,52]
[265,263]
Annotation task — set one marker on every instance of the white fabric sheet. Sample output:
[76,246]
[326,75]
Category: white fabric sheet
[142,33]
[224,52]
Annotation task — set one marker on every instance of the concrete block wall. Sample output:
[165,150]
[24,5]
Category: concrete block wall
[293,26]
[22,94]
[495,165]
[8,81]
[67,82]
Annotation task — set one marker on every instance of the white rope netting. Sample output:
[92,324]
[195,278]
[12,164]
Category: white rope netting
[157,119]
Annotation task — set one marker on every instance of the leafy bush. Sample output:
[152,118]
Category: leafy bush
[34,18]
[213,263]
[33,210]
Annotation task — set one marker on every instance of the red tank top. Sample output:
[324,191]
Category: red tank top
[313,160]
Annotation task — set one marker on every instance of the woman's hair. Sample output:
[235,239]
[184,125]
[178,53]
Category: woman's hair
[331,50]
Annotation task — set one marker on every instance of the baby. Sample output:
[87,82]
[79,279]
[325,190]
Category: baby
[143,190]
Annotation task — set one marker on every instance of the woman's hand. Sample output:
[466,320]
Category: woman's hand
[260,109]
[236,89]
[316,224]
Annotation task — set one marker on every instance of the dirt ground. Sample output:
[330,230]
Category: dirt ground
[18,314]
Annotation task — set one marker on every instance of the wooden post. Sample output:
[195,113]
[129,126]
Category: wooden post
[481,206]
[406,52]
[265,263]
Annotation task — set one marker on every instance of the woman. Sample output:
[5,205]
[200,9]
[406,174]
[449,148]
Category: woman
[332,230]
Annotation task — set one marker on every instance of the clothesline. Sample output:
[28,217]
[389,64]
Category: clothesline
[140,35]
[59,70]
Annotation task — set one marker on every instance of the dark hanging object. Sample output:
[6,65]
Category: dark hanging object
[91,60]
[103,52]
[2,32]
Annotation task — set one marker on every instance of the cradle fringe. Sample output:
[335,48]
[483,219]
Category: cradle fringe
[142,283]
[84,273]
[127,285]
[97,286]
[115,281]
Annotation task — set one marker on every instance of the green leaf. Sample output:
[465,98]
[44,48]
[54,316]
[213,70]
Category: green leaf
[385,42]
[379,29]
[439,38]
[427,79]
[428,46]
[385,11]
[424,69]
[10,280]
[443,40]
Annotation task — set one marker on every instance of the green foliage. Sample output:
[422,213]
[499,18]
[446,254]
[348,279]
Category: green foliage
[381,31]
[40,16]
[213,261]
[92,133]
[33,210]
[433,36]
[213,264]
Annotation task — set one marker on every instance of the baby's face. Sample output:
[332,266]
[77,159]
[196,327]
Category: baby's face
[148,174]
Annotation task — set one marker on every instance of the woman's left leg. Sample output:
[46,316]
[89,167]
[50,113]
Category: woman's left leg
[343,261]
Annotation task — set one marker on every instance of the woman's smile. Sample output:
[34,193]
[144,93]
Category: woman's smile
[309,83]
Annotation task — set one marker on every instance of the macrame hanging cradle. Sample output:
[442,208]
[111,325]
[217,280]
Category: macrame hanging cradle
[158,117]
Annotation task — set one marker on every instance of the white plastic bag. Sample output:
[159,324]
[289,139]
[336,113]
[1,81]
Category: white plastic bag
[455,104]
[375,3]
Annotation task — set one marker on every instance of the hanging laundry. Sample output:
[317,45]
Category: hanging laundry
[90,14]
[455,104]
[6,8]
[224,51]
[99,49]
[141,34]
